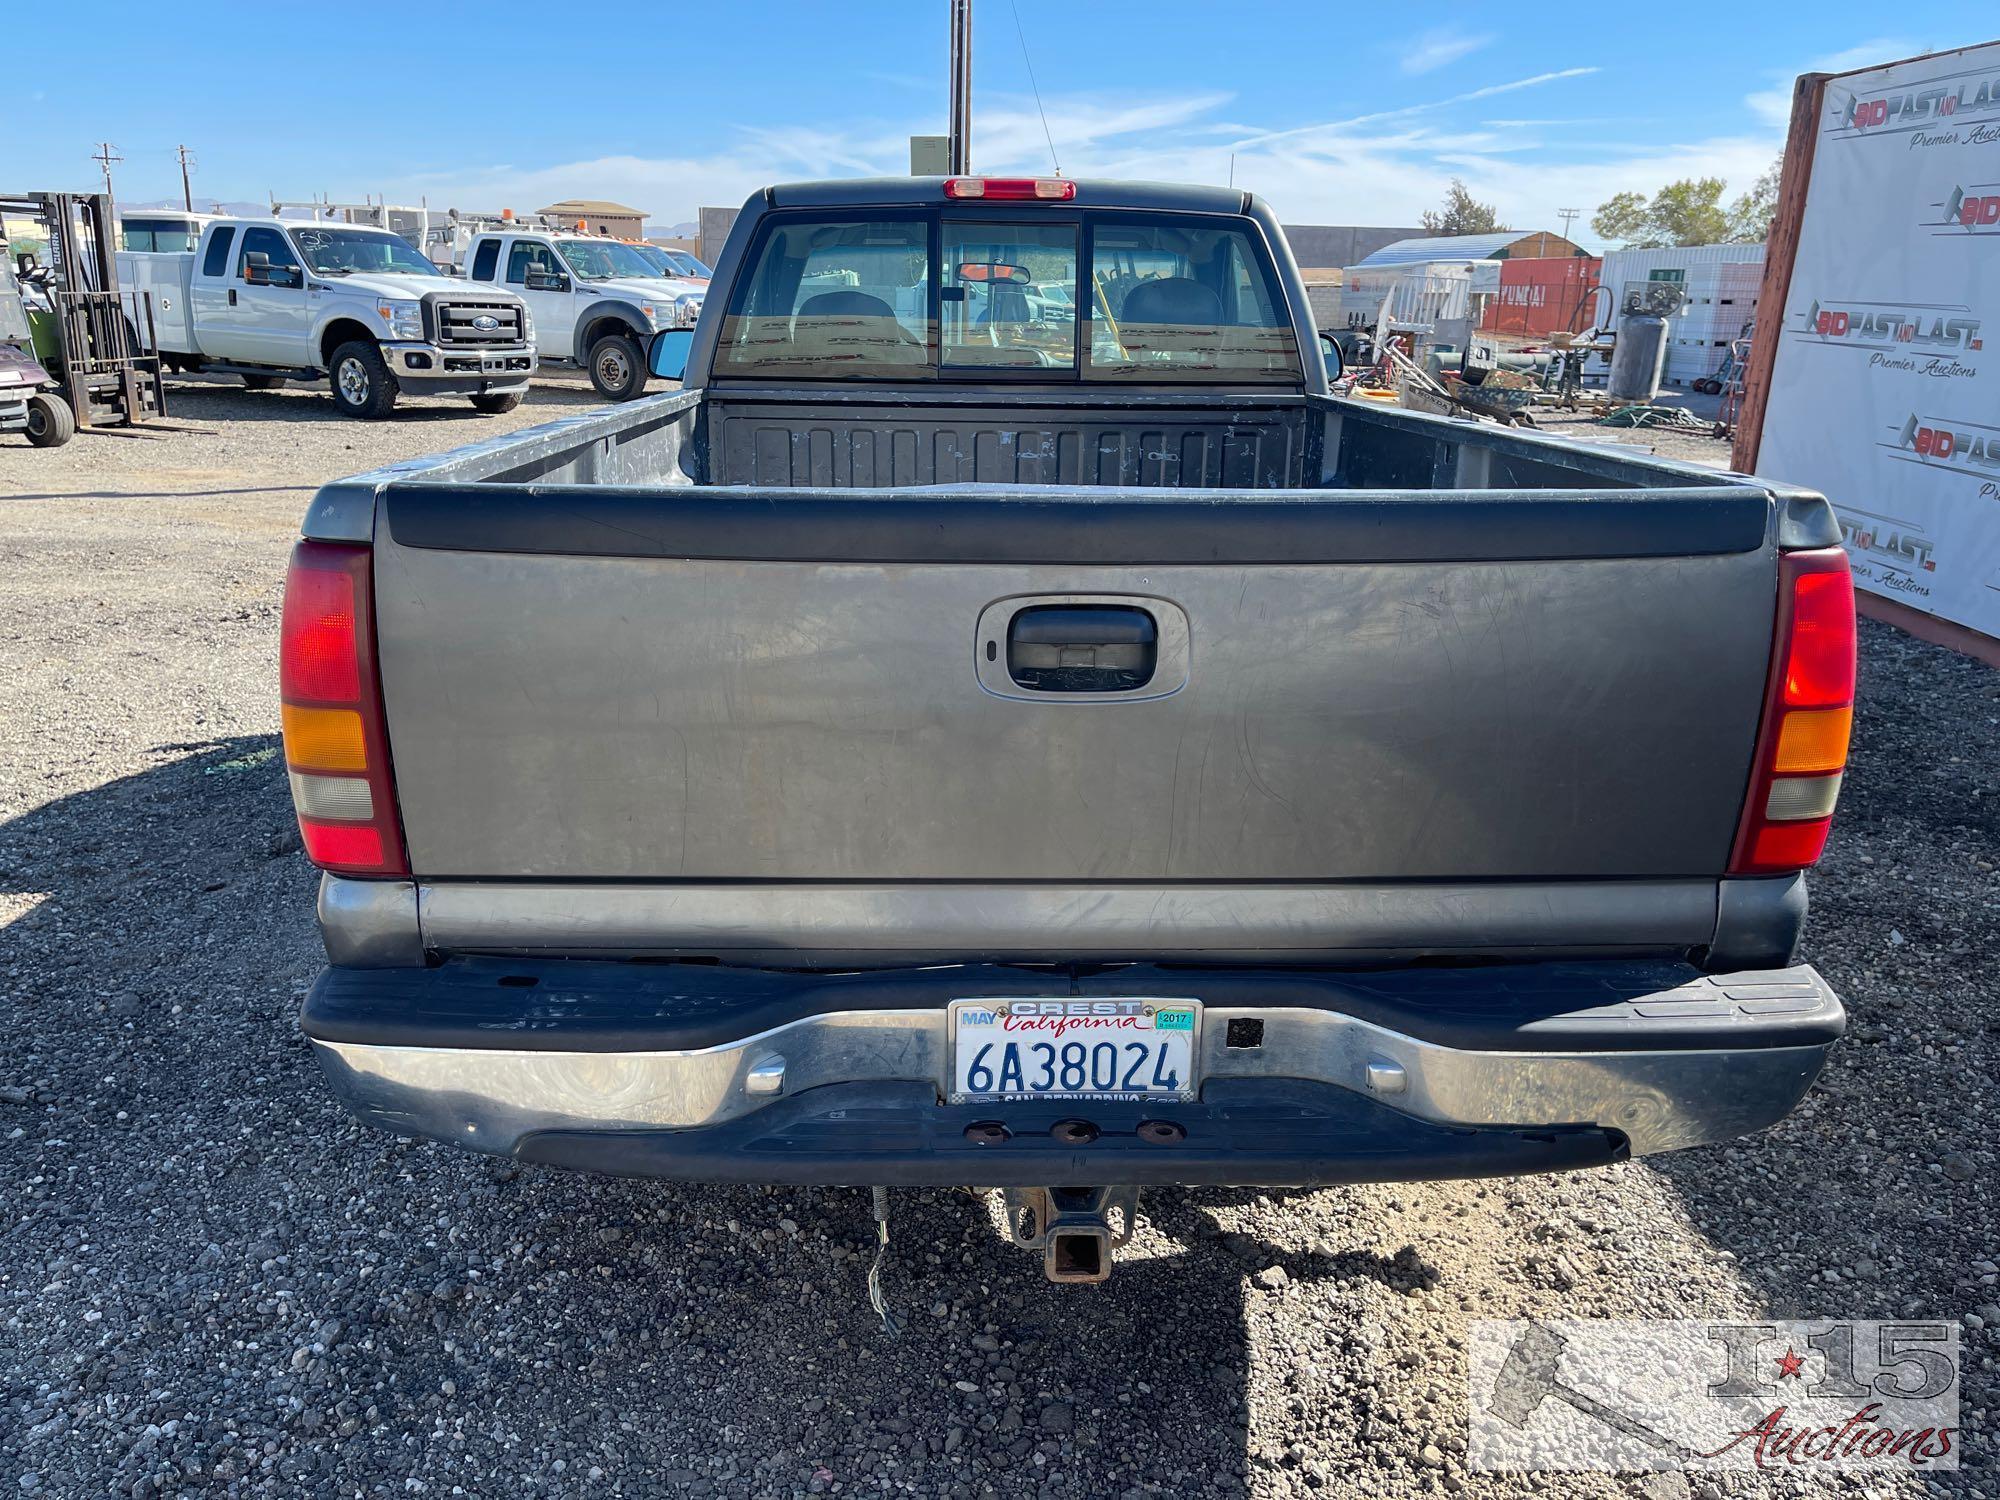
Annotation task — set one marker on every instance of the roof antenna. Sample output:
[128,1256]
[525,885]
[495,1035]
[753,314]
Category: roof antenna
[1022,32]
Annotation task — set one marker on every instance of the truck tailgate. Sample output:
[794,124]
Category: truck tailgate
[694,685]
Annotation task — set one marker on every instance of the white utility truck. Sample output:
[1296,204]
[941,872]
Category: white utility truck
[597,302]
[363,309]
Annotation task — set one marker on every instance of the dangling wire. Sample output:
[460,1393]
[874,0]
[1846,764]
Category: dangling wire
[875,1298]
[1022,32]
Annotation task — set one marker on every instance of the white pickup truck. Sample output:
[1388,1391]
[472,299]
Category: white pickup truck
[597,302]
[358,307]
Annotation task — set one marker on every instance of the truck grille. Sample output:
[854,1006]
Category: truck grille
[459,323]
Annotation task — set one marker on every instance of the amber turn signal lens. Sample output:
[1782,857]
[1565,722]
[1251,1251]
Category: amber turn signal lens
[324,739]
[1813,739]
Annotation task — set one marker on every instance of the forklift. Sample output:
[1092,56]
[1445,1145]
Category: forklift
[31,401]
[96,341]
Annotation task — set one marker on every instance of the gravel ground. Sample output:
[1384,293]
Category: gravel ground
[211,1281]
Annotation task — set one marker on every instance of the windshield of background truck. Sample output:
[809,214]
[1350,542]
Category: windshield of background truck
[342,252]
[603,260]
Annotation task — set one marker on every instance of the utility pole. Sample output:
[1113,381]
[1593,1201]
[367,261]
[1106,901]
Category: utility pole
[105,156]
[959,150]
[187,165]
[1568,216]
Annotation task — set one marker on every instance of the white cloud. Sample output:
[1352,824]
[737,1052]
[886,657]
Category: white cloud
[1437,47]
[1007,133]
[1427,107]
[1384,167]
[1773,104]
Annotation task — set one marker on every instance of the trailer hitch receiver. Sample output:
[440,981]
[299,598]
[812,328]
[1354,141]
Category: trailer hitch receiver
[1075,1228]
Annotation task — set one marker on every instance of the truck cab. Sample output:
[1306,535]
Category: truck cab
[274,300]
[596,301]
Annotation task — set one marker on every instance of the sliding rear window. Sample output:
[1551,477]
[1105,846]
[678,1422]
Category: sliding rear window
[834,299]
[895,296]
[1184,302]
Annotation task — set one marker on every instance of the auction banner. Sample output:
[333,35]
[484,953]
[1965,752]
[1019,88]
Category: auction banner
[1884,394]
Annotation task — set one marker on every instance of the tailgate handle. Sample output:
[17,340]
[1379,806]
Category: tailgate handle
[1083,648]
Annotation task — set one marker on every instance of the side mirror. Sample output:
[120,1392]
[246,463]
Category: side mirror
[546,281]
[258,271]
[1336,362]
[668,356]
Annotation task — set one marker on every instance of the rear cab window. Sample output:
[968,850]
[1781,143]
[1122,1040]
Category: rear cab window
[834,299]
[216,261]
[1183,303]
[484,259]
[994,311]
[1008,294]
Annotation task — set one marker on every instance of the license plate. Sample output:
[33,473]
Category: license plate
[1123,1049]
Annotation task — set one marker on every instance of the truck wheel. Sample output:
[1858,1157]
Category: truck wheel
[494,405]
[617,367]
[263,382]
[50,421]
[362,384]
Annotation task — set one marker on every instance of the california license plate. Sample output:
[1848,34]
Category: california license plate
[1122,1049]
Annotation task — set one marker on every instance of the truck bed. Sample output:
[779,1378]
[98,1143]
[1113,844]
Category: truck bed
[727,714]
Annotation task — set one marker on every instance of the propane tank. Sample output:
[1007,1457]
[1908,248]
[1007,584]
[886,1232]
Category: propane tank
[1639,358]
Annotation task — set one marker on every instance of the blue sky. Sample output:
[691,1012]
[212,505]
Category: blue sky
[1336,113]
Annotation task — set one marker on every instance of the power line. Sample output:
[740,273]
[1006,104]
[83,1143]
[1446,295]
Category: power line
[1568,216]
[187,166]
[105,156]
[1022,32]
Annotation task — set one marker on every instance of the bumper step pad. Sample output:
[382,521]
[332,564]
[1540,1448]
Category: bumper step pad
[1244,1133]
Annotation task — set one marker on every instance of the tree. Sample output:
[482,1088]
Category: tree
[1750,215]
[1688,212]
[1462,214]
[1622,217]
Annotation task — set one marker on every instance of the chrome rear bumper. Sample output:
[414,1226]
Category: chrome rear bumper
[1737,1053]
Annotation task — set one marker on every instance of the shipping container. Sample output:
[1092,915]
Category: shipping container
[1720,282]
[1544,295]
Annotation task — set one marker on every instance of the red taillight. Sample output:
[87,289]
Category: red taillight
[1010,189]
[318,662]
[335,747]
[1808,715]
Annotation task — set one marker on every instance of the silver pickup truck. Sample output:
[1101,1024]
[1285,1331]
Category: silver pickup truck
[1004,722]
